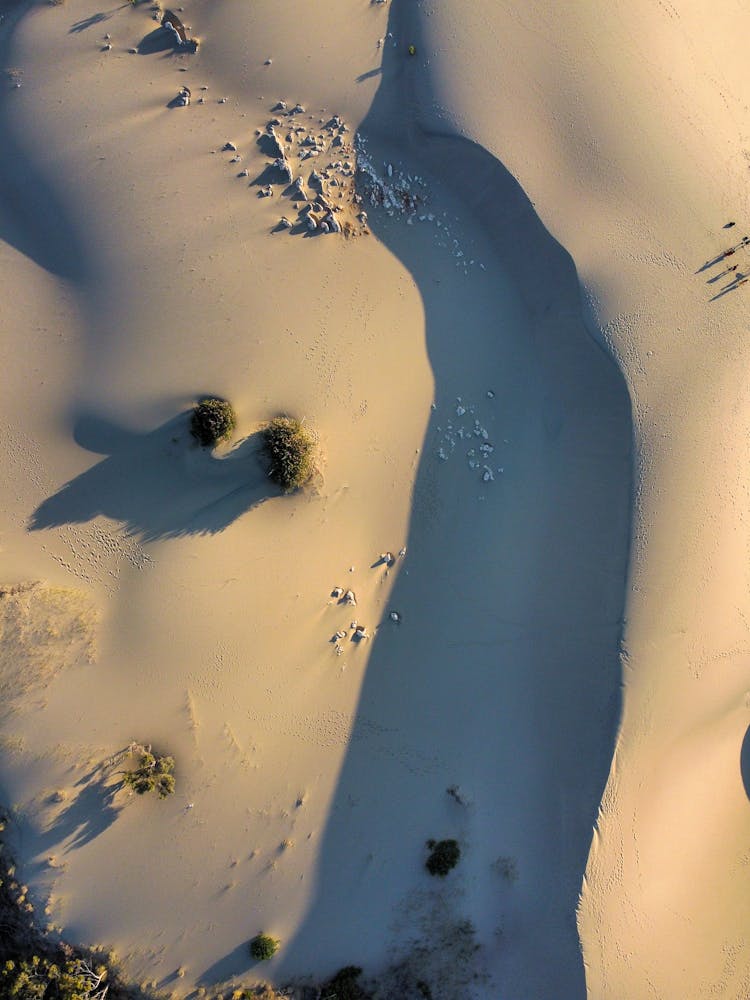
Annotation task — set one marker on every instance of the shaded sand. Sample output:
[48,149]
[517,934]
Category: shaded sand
[628,127]
[307,783]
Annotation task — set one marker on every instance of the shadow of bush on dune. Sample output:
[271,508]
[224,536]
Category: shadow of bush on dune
[504,676]
[158,484]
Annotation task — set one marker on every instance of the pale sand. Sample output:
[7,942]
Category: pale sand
[138,272]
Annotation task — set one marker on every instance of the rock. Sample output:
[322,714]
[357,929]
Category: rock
[362,217]
[174,25]
[106,48]
[285,223]
[235,159]
[337,592]
[338,635]
[297,110]
[266,192]
[272,146]
[282,165]
[268,62]
[316,180]
[333,223]
[183,98]
[299,191]
[338,141]
[312,225]
[349,598]
[222,100]
[229,147]
[133,52]
[395,617]
[243,173]
[402,552]
[360,633]
[279,106]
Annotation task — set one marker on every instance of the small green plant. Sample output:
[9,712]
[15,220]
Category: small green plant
[444,855]
[152,773]
[213,421]
[291,451]
[263,947]
[345,985]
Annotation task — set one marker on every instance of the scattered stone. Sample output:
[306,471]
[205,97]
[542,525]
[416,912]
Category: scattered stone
[299,191]
[316,180]
[242,173]
[183,98]
[395,617]
[332,223]
[133,52]
[279,106]
[338,635]
[402,552]
[455,793]
[297,110]
[282,165]
[490,394]
[337,592]
[266,192]
[268,62]
[349,598]
[312,225]
[222,100]
[229,147]
[235,159]
[360,633]
[285,223]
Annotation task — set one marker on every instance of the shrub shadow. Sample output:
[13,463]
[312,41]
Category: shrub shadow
[158,484]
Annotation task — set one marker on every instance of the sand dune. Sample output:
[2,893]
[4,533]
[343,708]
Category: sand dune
[526,312]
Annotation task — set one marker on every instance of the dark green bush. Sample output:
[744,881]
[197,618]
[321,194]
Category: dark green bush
[263,947]
[344,985]
[152,773]
[291,452]
[444,855]
[213,420]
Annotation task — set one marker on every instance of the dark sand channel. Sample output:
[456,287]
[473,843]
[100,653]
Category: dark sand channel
[504,676]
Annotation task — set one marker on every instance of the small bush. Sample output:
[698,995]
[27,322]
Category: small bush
[213,420]
[444,855]
[344,985]
[291,451]
[263,947]
[152,773]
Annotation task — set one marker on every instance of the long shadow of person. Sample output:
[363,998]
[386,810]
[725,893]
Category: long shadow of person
[159,484]
[503,676]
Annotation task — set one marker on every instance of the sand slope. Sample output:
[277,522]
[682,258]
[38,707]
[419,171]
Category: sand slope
[140,271]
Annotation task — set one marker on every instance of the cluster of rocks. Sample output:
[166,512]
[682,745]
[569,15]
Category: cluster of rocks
[314,161]
[398,192]
[174,26]
[468,429]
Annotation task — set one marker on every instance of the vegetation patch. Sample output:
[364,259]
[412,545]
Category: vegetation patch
[151,773]
[291,448]
[213,420]
[345,985]
[444,855]
[263,947]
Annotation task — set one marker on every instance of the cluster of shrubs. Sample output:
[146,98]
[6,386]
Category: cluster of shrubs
[151,773]
[39,978]
[290,446]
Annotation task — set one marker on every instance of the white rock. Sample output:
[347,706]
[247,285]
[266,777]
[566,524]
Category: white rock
[349,598]
[395,617]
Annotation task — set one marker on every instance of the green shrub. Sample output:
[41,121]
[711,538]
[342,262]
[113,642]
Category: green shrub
[152,773]
[213,420]
[344,985]
[291,452]
[37,978]
[263,947]
[444,855]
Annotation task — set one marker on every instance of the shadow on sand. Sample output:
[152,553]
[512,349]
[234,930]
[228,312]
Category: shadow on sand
[159,484]
[33,219]
[504,676]
[745,762]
